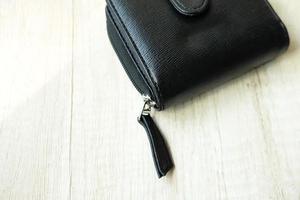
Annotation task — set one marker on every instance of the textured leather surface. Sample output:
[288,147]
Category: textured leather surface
[176,53]
[161,156]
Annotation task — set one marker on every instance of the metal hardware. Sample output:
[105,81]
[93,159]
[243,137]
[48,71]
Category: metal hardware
[147,107]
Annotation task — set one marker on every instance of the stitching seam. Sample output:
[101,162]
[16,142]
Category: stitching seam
[126,45]
[139,54]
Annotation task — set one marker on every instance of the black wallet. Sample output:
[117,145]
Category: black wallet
[170,48]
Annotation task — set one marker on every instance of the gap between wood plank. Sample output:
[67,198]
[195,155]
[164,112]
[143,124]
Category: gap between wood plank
[72,103]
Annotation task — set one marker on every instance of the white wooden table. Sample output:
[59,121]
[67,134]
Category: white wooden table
[68,125]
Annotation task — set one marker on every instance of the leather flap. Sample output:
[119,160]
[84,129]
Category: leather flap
[190,7]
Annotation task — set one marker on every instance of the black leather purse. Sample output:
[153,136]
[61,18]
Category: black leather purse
[171,47]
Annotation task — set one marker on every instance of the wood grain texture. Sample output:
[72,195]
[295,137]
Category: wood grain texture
[35,85]
[68,126]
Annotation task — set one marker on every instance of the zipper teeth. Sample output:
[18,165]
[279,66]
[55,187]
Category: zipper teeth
[117,51]
[146,98]
[150,89]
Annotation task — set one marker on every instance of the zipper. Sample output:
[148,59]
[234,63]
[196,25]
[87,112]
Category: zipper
[161,156]
[117,50]
[160,152]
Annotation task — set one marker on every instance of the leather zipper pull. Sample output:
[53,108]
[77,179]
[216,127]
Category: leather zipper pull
[161,156]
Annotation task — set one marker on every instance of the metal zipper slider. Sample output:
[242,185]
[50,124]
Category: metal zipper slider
[147,107]
[161,156]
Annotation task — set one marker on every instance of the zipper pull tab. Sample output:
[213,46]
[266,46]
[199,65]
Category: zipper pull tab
[161,156]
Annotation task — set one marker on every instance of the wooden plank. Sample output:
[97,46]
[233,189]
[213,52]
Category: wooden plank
[35,98]
[239,141]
